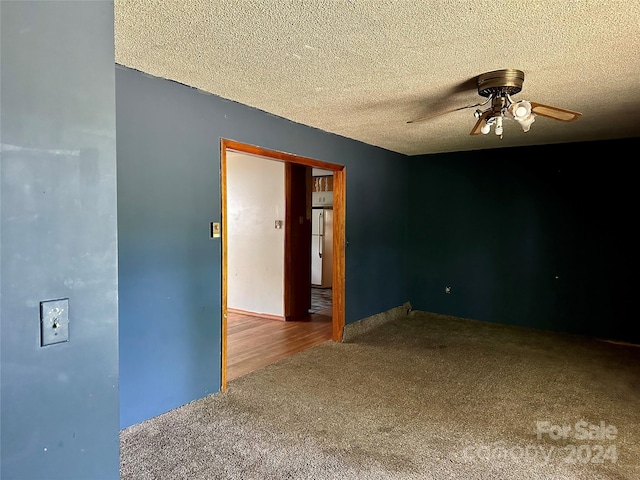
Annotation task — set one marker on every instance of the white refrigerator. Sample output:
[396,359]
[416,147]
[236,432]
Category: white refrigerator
[321,247]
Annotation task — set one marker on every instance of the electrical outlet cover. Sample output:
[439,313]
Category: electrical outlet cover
[54,321]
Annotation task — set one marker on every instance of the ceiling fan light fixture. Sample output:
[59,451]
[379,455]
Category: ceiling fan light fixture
[520,110]
[526,122]
[521,113]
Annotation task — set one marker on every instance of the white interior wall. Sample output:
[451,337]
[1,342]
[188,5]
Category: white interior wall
[255,248]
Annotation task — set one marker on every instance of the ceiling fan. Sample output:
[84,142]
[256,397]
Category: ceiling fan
[498,86]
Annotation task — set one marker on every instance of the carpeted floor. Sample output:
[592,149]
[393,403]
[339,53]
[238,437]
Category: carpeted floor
[423,397]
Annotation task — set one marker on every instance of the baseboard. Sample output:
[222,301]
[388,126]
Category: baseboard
[359,327]
[267,316]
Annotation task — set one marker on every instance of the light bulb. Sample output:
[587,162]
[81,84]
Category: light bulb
[485,128]
[521,112]
[499,126]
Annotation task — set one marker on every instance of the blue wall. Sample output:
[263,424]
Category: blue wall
[532,236]
[58,239]
[170,270]
[498,229]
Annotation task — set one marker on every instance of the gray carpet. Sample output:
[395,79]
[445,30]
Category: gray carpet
[424,397]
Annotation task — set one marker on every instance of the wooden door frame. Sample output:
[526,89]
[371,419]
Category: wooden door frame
[339,216]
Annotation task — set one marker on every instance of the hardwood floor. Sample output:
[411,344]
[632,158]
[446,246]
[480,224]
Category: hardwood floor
[254,342]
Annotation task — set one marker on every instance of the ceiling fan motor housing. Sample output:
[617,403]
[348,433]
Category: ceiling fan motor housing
[500,82]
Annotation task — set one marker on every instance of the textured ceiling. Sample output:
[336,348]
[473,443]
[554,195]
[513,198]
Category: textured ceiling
[362,69]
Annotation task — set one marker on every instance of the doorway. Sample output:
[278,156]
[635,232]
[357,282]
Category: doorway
[294,240]
[321,241]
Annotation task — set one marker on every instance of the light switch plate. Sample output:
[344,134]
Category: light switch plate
[54,321]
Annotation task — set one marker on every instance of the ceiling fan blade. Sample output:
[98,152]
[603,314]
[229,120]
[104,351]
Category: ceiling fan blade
[433,115]
[554,112]
[481,122]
